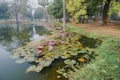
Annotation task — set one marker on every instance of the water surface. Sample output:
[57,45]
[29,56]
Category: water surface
[12,37]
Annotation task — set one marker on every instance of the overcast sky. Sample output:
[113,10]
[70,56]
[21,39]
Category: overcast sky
[33,3]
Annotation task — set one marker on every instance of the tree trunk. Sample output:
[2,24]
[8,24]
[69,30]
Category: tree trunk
[64,16]
[16,14]
[105,12]
[96,16]
[72,20]
[17,21]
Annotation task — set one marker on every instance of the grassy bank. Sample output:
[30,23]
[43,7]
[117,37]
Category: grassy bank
[107,63]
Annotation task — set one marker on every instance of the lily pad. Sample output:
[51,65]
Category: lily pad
[70,62]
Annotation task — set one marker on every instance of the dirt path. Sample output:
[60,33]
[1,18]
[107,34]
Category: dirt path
[112,29]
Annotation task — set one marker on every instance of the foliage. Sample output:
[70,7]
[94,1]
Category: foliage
[55,9]
[57,24]
[28,15]
[115,8]
[4,11]
[20,9]
[39,13]
[78,8]
[43,2]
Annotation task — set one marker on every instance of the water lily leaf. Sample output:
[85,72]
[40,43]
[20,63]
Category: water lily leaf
[30,59]
[67,61]
[20,61]
[14,56]
[73,62]
[31,68]
[38,68]
[47,63]
[70,62]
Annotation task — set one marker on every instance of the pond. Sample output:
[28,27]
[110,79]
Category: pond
[12,37]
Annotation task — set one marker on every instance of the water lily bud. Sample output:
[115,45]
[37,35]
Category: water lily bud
[40,47]
[51,48]
[62,42]
[50,43]
[61,31]
[40,52]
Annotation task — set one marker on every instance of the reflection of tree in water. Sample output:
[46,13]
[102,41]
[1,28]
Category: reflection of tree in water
[6,34]
[13,36]
[41,30]
[22,37]
[10,34]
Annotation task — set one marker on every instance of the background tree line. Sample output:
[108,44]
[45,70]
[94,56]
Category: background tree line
[20,10]
[80,11]
[77,11]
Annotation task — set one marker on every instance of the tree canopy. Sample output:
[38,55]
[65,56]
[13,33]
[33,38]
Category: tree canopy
[55,9]
[77,9]
[4,14]
[39,13]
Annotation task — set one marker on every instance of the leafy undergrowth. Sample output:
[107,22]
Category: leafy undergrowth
[106,66]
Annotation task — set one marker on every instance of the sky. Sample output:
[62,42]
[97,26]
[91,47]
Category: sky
[33,3]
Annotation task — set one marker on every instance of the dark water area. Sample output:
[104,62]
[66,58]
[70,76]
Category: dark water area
[90,42]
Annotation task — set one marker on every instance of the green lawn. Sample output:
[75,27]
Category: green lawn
[106,66]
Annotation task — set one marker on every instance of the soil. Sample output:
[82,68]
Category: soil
[111,29]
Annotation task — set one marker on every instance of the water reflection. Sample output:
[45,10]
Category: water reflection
[12,37]
[35,35]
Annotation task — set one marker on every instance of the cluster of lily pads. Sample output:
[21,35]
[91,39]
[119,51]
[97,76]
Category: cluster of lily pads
[64,45]
[74,63]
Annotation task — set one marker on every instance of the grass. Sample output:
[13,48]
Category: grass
[106,66]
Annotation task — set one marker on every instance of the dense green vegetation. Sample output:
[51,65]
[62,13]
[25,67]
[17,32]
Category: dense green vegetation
[84,10]
[106,64]
[79,11]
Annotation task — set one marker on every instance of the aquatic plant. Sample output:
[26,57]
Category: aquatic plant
[43,52]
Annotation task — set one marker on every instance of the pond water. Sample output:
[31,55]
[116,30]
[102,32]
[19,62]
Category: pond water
[12,37]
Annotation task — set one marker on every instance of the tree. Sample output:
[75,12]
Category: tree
[28,15]
[55,9]
[105,11]
[64,15]
[94,7]
[39,13]
[44,4]
[114,8]
[4,11]
[76,8]
[19,9]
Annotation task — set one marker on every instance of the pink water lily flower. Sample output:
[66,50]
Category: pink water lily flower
[50,45]
[40,47]
[40,52]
